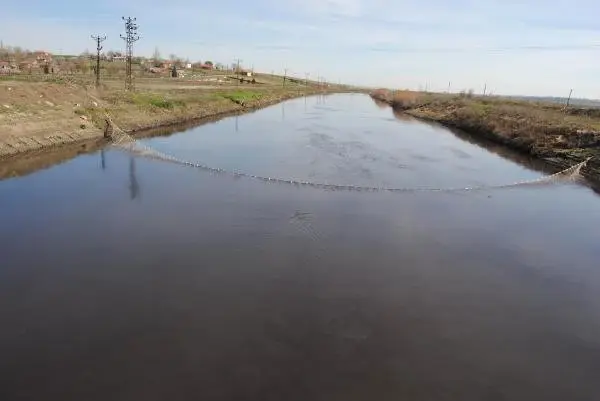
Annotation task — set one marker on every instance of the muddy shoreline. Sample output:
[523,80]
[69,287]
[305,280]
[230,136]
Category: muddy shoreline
[25,155]
[558,159]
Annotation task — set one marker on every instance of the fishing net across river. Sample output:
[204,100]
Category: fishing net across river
[124,141]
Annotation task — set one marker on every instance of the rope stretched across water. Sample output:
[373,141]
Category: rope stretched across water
[124,141]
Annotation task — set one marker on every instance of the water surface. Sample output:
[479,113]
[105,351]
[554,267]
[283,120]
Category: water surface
[124,278]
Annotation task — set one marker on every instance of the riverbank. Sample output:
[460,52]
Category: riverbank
[558,135]
[39,116]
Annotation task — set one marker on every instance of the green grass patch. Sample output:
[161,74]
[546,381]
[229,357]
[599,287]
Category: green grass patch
[481,108]
[242,96]
[161,102]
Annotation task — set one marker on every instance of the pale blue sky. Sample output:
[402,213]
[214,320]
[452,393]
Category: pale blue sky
[537,47]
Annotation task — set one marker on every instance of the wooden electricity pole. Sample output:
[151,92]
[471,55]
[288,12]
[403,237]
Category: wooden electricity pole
[99,39]
[237,70]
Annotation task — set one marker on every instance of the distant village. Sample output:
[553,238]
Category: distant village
[14,60]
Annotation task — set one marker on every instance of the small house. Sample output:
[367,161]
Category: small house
[5,67]
[28,65]
[43,57]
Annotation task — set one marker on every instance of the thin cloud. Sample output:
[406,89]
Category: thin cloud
[376,42]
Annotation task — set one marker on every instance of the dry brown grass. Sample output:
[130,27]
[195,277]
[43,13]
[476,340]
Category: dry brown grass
[533,127]
[405,98]
[543,130]
[40,109]
[398,99]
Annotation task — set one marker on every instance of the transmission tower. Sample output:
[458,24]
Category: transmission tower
[99,39]
[130,38]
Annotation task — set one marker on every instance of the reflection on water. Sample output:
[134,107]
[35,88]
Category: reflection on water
[382,105]
[134,186]
[102,159]
[402,116]
[220,288]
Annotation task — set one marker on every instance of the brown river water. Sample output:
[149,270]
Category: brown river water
[127,278]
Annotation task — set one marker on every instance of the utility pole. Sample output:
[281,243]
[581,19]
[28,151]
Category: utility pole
[285,70]
[99,39]
[484,89]
[130,37]
[237,70]
[306,78]
[569,99]
[449,86]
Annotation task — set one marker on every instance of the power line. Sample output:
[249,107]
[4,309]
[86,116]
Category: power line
[130,37]
[99,39]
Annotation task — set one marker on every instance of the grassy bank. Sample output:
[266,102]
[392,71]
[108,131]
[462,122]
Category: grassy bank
[35,116]
[561,136]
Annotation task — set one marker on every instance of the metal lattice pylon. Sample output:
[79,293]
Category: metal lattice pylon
[130,38]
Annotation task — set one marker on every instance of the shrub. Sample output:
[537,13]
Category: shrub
[382,94]
[404,98]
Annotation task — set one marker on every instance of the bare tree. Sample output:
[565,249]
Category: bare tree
[156,57]
[82,64]
[18,53]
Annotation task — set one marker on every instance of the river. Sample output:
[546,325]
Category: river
[128,278]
